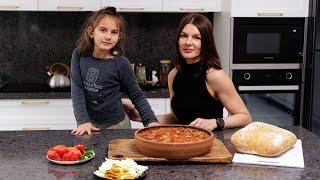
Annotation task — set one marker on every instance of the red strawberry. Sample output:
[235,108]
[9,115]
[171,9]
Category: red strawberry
[60,149]
[52,154]
[80,147]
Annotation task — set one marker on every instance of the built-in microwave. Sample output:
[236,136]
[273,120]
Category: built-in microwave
[268,40]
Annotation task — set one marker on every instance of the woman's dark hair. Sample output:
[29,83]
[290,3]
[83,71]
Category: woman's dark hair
[86,44]
[209,55]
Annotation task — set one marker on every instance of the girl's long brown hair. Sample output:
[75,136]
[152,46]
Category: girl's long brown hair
[209,55]
[86,44]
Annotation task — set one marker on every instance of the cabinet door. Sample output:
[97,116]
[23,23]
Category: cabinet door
[18,5]
[69,5]
[135,6]
[269,8]
[158,105]
[39,114]
[192,5]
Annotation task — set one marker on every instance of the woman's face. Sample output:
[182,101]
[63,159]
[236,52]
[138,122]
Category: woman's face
[106,35]
[190,43]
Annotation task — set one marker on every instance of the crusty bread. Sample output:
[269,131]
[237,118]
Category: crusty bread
[263,139]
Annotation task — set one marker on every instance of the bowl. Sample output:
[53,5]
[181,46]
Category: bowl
[173,142]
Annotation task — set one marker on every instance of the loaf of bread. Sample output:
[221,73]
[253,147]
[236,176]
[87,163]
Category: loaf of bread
[263,139]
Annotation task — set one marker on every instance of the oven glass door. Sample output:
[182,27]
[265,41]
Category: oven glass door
[268,43]
[277,108]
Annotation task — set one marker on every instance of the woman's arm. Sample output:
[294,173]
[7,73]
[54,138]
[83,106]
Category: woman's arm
[223,89]
[169,118]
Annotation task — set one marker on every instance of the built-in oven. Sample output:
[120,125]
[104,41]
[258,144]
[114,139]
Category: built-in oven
[271,95]
[268,40]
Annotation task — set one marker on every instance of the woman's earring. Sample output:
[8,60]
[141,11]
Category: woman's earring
[115,52]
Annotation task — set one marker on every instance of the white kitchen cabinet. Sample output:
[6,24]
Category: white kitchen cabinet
[269,8]
[18,5]
[192,6]
[158,105]
[134,6]
[69,5]
[36,114]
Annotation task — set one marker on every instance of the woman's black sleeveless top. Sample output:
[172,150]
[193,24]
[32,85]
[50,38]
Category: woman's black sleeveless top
[191,98]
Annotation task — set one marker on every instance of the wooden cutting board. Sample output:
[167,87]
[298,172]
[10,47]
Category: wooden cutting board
[121,148]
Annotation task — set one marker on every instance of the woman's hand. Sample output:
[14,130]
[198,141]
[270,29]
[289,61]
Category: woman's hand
[131,111]
[207,124]
[84,128]
[154,124]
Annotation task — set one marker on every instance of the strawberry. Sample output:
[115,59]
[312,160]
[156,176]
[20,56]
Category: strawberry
[80,147]
[52,154]
[60,149]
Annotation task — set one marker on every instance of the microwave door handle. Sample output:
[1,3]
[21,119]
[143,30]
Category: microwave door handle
[269,88]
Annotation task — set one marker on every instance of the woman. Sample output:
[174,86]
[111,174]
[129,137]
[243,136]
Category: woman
[199,88]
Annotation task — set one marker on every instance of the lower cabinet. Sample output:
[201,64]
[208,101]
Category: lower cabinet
[50,114]
[36,114]
[158,105]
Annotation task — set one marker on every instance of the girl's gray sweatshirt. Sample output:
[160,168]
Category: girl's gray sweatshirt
[97,86]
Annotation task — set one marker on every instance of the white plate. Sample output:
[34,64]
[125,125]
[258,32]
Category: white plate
[71,162]
[106,177]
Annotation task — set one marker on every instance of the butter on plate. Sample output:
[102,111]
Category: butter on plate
[120,169]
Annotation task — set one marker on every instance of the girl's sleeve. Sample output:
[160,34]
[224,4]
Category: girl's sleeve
[131,87]
[77,94]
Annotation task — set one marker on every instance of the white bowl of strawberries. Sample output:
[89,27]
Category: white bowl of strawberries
[62,154]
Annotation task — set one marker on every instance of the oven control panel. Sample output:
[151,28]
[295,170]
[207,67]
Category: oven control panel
[267,77]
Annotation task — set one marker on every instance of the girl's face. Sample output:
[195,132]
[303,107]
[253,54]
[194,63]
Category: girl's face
[190,43]
[106,35]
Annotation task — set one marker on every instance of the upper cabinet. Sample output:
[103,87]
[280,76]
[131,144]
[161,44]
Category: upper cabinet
[269,8]
[18,5]
[192,5]
[134,5]
[69,5]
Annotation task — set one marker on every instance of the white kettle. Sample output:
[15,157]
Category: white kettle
[59,76]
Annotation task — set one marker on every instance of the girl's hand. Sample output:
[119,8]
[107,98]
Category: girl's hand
[84,128]
[207,124]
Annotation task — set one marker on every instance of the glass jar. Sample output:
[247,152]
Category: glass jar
[141,74]
[164,71]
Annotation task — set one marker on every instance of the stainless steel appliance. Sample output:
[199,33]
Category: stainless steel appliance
[272,96]
[268,40]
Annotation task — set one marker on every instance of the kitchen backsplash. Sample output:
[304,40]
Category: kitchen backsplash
[32,41]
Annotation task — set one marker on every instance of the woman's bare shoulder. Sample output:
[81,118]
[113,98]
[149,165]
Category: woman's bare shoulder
[218,78]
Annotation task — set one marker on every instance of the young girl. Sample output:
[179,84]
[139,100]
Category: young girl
[98,73]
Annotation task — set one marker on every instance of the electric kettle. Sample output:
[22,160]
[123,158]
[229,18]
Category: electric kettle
[59,75]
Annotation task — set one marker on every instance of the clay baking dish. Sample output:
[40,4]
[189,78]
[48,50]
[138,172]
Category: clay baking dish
[146,143]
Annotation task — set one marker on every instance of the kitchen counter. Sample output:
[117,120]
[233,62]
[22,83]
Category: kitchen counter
[157,93]
[23,157]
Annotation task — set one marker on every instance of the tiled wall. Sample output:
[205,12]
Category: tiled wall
[31,41]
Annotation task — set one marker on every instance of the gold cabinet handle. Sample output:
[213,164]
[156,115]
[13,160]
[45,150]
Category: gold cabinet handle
[35,129]
[34,102]
[9,7]
[269,13]
[191,9]
[131,8]
[69,8]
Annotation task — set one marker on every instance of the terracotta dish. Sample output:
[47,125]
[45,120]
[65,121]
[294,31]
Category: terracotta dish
[176,142]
